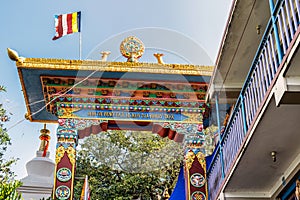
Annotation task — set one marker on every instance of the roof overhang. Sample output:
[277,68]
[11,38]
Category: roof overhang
[32,69]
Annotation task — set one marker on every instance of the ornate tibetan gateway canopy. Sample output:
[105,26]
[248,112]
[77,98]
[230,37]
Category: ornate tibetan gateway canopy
[90,96]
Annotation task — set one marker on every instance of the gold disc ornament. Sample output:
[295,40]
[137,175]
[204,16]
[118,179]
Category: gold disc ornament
[132,48]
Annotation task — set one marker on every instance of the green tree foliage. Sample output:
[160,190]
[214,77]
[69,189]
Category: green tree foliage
[127,164]
[8,190]
[8,185]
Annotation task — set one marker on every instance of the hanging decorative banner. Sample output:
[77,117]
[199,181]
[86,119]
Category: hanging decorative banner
[195,167]
[123,115]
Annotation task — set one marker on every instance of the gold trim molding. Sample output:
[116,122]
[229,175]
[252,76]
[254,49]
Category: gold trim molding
[201,159]
[60,152]
[189,159]
[156,68]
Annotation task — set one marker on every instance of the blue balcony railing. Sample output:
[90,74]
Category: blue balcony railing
[276,41]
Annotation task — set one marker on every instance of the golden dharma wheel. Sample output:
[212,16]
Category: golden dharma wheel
[132,48]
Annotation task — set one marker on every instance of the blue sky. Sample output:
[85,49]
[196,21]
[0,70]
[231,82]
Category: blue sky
[186,28]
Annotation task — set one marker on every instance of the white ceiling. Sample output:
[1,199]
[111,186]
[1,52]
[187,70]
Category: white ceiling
[241,44]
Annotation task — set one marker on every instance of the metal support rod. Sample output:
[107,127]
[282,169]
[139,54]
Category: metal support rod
[243,114]
[276,34]
[80,45]
[219,135]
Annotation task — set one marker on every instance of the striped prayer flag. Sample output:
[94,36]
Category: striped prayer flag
[85,193]
[66,24]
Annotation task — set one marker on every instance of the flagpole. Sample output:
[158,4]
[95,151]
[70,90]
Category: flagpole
[80,45]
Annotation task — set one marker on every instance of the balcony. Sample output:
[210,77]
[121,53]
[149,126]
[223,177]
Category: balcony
[266,110]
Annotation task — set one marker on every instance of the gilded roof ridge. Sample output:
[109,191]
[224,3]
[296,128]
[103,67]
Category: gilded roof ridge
[74,61]
[113,66]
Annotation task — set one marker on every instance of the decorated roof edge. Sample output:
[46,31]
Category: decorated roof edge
[140,67]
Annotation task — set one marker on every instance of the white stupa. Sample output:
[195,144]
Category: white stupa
[39,182]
